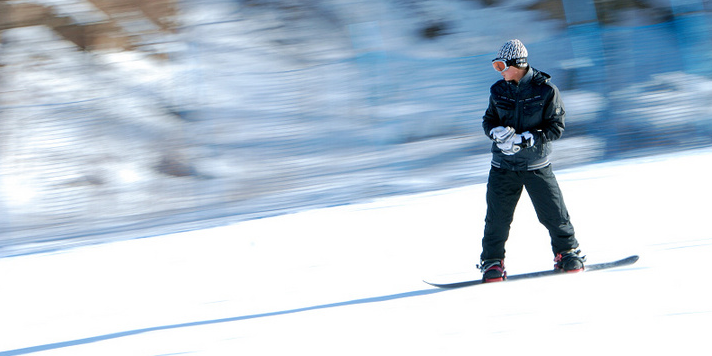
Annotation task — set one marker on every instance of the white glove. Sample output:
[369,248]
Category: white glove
[509,147]
[526,139]
[515,143]
[501,134]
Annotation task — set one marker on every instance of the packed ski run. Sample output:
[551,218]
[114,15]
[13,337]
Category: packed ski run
[347,280]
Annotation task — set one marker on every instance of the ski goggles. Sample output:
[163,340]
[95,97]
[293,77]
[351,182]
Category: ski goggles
[501,65]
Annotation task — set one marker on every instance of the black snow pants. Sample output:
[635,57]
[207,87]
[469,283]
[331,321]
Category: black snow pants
[504,188]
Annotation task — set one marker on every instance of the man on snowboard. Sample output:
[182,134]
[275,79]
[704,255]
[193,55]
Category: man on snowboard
[525,114]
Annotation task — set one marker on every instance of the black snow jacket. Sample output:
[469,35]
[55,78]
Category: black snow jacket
[533,105]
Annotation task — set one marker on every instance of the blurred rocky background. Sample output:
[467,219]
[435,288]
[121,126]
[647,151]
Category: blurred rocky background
[130,118]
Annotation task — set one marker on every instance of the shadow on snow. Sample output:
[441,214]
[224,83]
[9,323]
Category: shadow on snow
[88,340]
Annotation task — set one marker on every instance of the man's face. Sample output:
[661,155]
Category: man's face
[513,73]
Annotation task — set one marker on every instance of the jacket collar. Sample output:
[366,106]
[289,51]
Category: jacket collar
[527,78]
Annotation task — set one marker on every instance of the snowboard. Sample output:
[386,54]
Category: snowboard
[589,268]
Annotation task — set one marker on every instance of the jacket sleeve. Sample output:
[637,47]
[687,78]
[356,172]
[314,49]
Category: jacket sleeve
[554,116]
[491,119]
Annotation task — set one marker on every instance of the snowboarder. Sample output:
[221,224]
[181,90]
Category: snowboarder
[524,115]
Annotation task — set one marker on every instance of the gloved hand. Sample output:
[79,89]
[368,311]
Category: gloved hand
[516,142]
[500,134]
[526,139]
[509,147]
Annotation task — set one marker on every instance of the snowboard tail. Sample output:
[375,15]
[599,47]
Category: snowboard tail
[589,268]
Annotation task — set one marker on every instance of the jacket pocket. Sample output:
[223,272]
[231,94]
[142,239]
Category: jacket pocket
[533,107]
[504,103]
[505,106]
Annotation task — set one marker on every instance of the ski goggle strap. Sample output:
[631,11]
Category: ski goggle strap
[501,65]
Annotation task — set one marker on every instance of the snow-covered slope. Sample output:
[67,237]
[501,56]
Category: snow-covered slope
[347,280]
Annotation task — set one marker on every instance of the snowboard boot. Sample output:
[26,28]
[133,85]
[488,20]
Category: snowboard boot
[570,261]
[492,271]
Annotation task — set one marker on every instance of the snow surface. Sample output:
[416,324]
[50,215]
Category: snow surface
[344,280]
[347,280]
